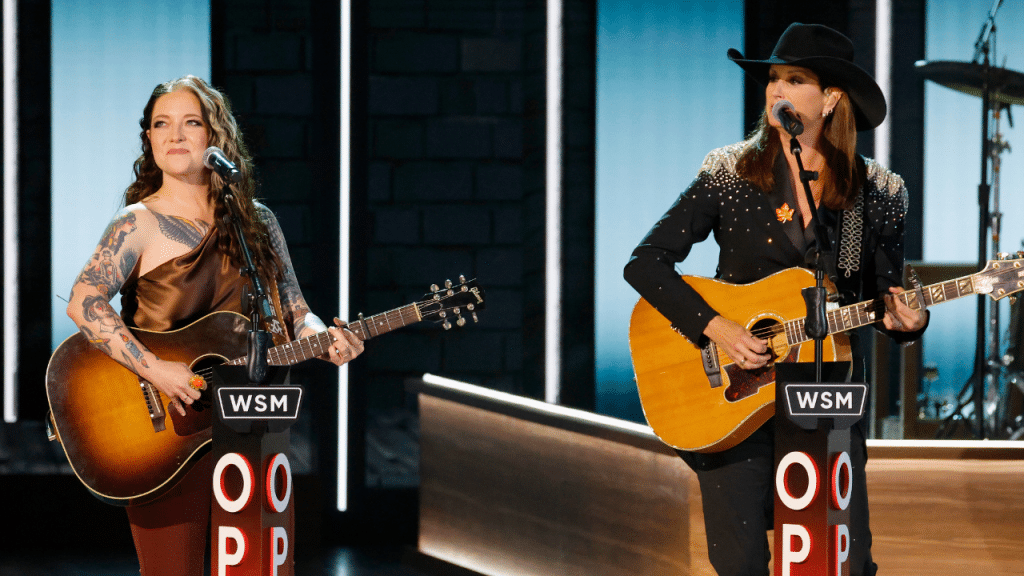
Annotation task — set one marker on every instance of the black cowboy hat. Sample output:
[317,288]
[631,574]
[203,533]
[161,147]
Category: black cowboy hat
[830,55]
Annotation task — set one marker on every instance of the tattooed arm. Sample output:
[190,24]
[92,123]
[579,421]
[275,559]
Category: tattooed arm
[89,306]
[296,313]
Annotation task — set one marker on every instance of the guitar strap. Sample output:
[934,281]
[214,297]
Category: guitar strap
[273,325]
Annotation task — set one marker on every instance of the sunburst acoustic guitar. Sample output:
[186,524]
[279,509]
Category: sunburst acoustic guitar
[696,399]
[121,439]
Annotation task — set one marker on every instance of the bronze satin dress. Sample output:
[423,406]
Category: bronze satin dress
[171,532]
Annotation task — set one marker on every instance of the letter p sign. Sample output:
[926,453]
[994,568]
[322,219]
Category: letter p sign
[790,555]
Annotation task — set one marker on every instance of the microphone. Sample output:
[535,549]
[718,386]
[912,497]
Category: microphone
[215,160]
[784,112]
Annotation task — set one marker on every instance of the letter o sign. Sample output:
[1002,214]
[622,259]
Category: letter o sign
[791,501]
[238,461]
[278,461]
[840,465]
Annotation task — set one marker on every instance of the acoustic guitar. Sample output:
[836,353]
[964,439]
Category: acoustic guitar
[121,439]
[696,399]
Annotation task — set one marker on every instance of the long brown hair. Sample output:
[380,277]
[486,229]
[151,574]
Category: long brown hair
[839,177]
[223,133]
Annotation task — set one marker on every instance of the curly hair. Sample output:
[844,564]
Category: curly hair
[223,132]
[839,176]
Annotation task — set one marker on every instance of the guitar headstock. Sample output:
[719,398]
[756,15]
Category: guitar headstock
[442,304]
[1001,277]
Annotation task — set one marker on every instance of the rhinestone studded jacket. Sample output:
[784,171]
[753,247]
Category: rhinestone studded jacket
[757,237]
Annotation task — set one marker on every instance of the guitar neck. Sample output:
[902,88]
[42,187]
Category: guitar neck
[317,345]
[871,311]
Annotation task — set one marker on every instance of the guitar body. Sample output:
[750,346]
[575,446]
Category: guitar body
[101,418]
[678,399]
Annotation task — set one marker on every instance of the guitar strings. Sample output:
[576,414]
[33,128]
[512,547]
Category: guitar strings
[402,316]
[767,333]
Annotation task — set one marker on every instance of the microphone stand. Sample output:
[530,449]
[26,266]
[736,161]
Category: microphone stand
[816,324]
[258,301]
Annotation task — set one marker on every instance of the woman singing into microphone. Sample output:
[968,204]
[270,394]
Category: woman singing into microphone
[174,261]
[750,197]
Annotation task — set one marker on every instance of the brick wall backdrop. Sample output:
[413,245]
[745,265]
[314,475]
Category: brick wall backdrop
[448,179]
[455,101]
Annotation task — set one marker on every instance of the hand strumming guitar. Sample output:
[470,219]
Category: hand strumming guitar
[173,380]
[738,343]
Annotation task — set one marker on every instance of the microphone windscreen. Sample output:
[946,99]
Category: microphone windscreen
[208,156]
[776,110]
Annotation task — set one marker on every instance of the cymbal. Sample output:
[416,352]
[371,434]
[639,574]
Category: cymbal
[1006,86]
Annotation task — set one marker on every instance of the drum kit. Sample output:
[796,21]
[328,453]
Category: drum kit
[988,406]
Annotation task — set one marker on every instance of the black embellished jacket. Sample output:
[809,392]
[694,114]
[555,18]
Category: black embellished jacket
[760,234]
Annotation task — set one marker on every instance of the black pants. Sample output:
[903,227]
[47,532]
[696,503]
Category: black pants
[737,489]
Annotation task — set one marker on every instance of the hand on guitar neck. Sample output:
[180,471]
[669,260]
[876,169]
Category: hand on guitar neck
[346,345]
[899,316]
[747,351]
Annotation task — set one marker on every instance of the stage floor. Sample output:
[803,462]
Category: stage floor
[380,561]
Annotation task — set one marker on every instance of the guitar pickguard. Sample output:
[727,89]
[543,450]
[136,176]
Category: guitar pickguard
[746,383]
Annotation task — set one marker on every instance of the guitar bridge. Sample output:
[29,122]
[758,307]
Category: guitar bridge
[156,408]
[709,358]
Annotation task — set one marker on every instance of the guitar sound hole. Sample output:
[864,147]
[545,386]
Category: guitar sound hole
[774,334]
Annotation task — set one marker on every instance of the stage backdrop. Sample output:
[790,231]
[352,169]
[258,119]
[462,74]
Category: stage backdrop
[666,95]
[108,55]
[952,156]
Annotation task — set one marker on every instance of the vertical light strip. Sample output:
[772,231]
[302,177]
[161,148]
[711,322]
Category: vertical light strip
[553,206]
[883,75]
[343,244]
[10,129]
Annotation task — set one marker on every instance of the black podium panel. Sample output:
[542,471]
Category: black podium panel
[253,516]
[813,472]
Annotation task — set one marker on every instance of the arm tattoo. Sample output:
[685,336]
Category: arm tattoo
[102,344]
[116,232]
[182,230]
[134,350]
[101,272]
[128,362]
[293,304]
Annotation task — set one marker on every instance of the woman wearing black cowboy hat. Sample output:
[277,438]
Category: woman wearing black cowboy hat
[750,197]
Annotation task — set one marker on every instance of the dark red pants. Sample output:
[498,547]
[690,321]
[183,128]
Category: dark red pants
[171,533]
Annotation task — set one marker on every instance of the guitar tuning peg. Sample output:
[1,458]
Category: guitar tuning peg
[434,287]
[1020,253]
[461,321]
[1002,256]
[447,283]
[1013,300]
[456,311]
[462,279]
[470,307]
[475,319]
[446,325]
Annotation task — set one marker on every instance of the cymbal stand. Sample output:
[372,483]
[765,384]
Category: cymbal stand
[996,363]
[982,48]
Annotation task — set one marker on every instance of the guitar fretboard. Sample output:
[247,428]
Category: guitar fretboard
[318,344]
[863,313]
